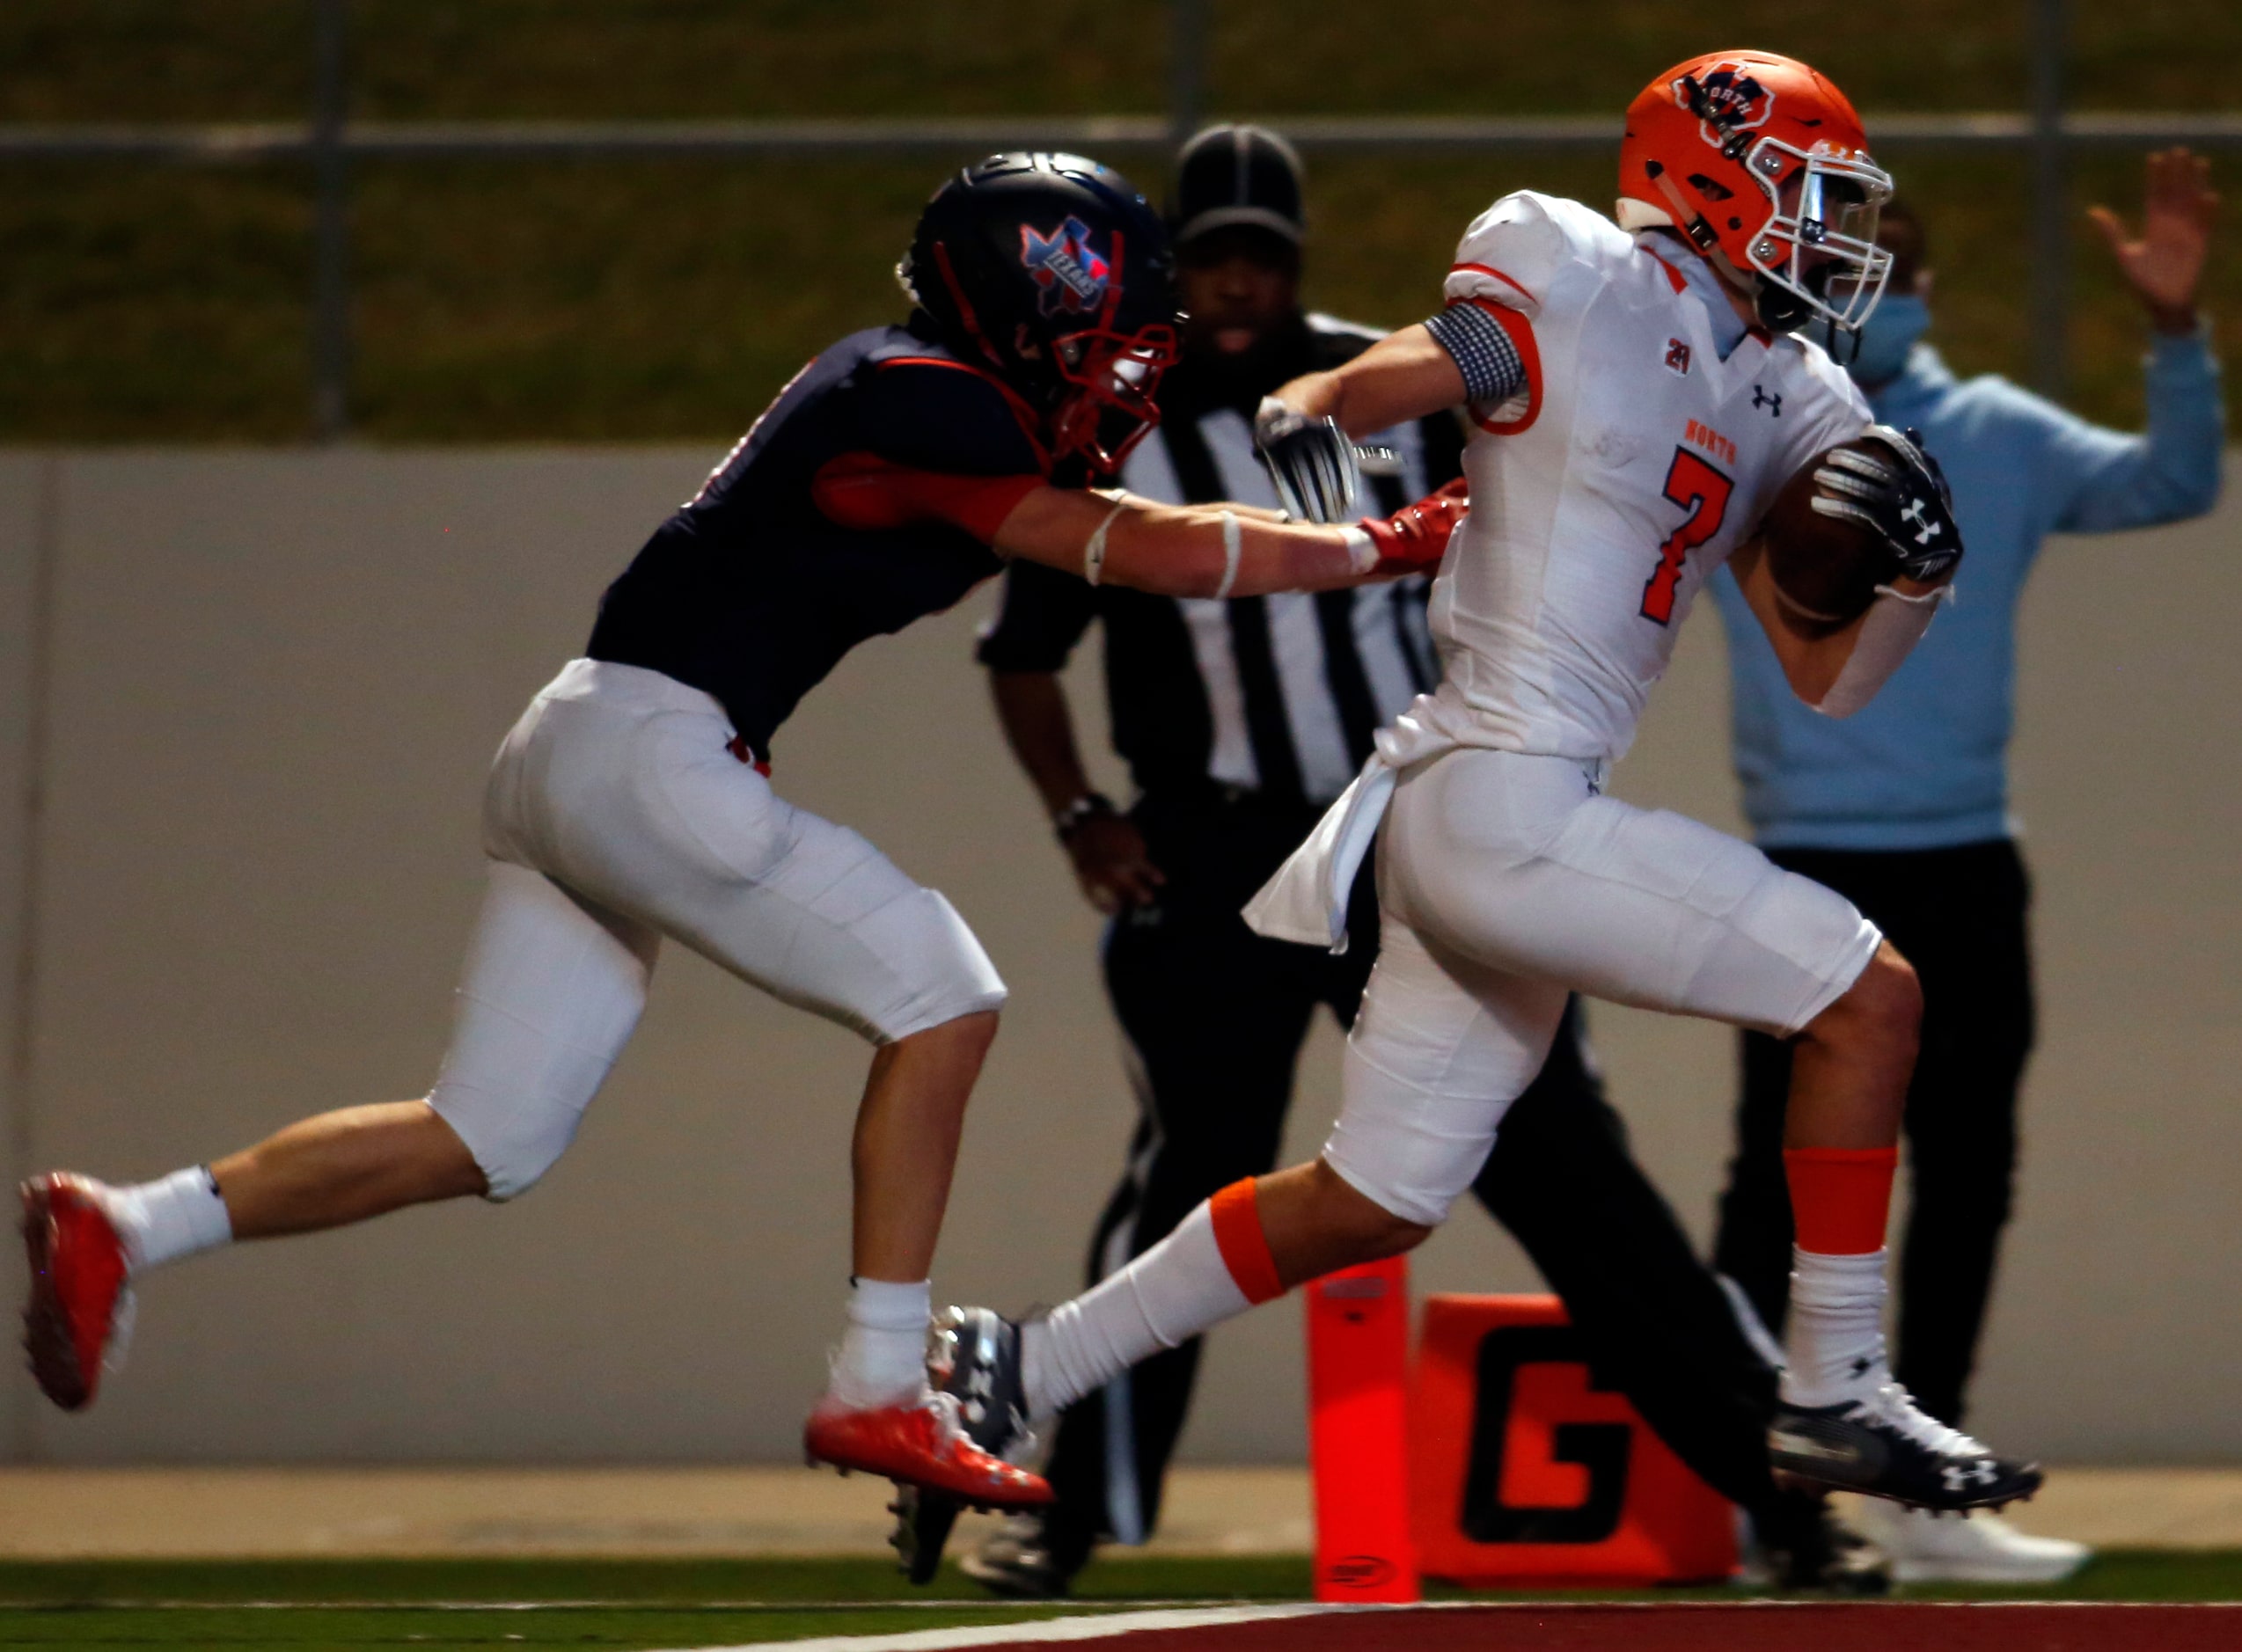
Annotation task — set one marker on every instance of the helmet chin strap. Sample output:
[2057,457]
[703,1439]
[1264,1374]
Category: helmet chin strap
[965,309]
[1773,306]
[1692,226]
[1687,218]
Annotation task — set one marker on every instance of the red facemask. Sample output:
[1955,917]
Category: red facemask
[1116,377]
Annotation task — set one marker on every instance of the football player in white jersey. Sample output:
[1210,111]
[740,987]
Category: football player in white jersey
[1639,405]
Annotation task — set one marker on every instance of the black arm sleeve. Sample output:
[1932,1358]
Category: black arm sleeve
[1040,617]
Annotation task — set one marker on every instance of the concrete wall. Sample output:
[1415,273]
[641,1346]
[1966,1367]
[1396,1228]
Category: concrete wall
[276,679]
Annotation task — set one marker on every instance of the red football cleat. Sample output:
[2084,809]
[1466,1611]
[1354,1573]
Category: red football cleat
[920,1444]
[80,1308]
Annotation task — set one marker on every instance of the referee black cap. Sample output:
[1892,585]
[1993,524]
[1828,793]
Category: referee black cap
[1231,175]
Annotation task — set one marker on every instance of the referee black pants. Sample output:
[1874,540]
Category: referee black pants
[1215,1017]
[1959,916]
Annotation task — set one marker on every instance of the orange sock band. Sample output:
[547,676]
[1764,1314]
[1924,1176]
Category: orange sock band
[1244,1246]
[1841,1197]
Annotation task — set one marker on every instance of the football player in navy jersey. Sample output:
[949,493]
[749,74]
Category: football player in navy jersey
[632,801]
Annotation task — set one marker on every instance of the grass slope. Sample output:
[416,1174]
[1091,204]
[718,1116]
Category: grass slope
[666,300]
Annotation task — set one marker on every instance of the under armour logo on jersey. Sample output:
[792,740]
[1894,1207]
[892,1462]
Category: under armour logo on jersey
[1073,277]
[1916,511]
[1677,357]
[1772,402]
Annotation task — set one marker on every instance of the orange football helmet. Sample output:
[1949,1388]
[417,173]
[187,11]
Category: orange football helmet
[1763,159]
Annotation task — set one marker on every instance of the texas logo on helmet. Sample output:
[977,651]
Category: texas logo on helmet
[1727,101]
[1071,275]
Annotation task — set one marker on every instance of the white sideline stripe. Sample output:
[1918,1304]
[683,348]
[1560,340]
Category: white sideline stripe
[609,1604]
[1058,1630]
[1049,1631]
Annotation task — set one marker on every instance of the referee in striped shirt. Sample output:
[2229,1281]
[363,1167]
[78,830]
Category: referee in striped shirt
[1240,720]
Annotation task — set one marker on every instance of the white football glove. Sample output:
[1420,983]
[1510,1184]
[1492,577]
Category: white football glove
[1317,474]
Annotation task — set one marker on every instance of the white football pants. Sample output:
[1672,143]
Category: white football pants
[1507,881]
[616,815]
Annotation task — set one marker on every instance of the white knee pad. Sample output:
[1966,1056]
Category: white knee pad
[515,1135]
[1408,1153]
[1437,1056]
[552,992]
[942,971]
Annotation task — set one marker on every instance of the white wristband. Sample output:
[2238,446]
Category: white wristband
[1094,549]
[1232,547]
[1362,551]
[1895,623]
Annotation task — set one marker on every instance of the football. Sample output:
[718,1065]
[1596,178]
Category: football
[1825,567]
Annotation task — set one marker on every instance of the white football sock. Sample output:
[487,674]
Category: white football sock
[1167,1296]
[164,1220]
[1837,1336]
[883,1358]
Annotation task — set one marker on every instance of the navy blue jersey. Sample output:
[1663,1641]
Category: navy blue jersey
[751,592]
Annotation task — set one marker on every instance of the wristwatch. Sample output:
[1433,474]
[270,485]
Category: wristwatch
[1089,806]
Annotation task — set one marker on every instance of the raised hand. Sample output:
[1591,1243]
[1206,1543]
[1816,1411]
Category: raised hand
[2165,264]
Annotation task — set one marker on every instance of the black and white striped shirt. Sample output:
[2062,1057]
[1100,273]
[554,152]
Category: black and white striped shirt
[1275,695]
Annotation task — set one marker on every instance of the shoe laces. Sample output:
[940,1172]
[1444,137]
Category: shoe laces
[1892,1405]
[122,1316]
[950,1424]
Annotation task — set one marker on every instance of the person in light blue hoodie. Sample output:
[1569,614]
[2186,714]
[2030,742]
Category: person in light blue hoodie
[1904,808]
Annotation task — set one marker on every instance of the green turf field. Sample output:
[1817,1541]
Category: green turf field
[625,1604]
[641,300]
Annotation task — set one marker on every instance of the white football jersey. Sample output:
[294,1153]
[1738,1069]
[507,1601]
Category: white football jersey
[1607,493]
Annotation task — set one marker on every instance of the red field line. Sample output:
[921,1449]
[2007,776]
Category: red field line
[2032,1627]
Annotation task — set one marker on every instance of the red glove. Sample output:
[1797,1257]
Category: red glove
[1414,539]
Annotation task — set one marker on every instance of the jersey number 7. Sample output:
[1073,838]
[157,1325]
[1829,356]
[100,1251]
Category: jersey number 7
[1703,493]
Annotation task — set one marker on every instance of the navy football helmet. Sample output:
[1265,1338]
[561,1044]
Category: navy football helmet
[1052,271]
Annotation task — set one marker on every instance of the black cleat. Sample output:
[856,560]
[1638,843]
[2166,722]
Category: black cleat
[1881,1444]
[976,1358]
[1805,1548]
[922,1523]
[1029,1557]
[982,1352]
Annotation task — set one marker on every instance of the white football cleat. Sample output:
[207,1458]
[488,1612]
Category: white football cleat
[1981,1549]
